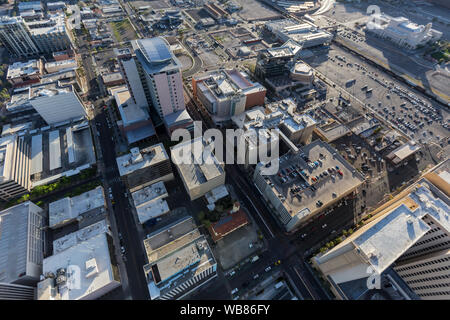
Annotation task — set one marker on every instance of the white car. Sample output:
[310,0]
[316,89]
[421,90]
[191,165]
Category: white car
[268,269]
[256,276]
[324,226]
[235,290]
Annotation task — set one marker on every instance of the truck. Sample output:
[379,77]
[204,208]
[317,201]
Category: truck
[254,259]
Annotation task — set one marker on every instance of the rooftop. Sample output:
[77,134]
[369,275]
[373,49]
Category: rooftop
[139,159]
[155,55]
[96,272]
[19,69]
[403,152]
[149,201]
[395,228]
[79,236]
[198,165]
[228,224]
[67,208]
[170,251]
[328,188]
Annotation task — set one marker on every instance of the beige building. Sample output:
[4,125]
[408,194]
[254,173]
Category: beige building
[409,235]
[199,174]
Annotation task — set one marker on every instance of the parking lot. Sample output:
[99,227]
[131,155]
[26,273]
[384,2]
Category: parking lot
[253,10]
[410,112]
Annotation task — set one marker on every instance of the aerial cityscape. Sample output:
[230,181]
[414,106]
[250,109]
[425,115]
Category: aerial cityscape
[236,150]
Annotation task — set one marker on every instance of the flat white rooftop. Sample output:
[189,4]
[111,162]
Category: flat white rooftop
[19,69]
[139,159]
[198,165]
[67,209]
[393,234]
[94,272]
[149,201]
[81,235]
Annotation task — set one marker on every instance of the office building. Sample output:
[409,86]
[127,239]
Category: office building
[15,36]
[198,167]
[307,182]
[14,167]
[407,237]
[226,93]
[160,74]
[402,31]
[21,244]
[82,266]
[22,74]
[144,167]
[179,261]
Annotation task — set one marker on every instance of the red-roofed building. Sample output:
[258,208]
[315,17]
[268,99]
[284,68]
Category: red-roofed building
[228,224]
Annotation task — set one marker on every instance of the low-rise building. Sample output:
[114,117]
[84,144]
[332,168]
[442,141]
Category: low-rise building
[68,210]
[307,182]
[21,244]
[22,74]
[149,202]
[179,261]
[227,224]
[198,167]
[82,269]
[403,153]
[58,65]
[144,167]
[113,79]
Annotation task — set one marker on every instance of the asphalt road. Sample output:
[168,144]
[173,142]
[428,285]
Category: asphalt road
[123,215]
[280,246]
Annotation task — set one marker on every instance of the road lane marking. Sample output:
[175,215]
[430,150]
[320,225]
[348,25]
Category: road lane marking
[257,211]
[309,291]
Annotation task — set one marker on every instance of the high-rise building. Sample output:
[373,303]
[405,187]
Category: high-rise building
[16,37]
[21,244]
[50,34]
[160,73]
[408,236]
[9,291]
[14,167]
